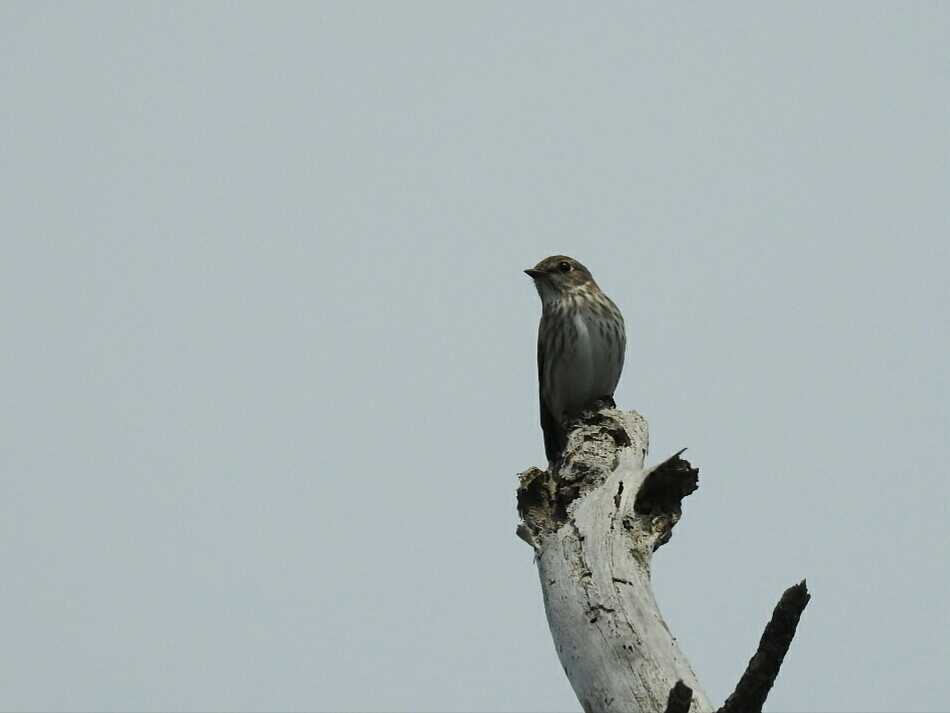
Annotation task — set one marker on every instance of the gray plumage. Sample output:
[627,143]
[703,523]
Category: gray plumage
[581,344]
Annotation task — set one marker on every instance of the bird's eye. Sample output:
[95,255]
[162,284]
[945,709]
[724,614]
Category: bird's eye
[564,266]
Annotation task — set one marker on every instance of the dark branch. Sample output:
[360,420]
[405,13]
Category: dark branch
[665,486]
[681,696]
[760,674]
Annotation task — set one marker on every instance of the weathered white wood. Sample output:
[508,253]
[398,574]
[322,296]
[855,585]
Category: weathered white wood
[593,556]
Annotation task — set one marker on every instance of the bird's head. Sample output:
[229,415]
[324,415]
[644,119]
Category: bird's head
[557,276]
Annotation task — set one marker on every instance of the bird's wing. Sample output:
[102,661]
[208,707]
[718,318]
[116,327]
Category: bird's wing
[553,439]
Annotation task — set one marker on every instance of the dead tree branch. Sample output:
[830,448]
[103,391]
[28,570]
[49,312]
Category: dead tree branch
[760,674]
[594,520]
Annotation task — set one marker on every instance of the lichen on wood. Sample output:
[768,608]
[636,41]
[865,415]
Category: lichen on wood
[594,519]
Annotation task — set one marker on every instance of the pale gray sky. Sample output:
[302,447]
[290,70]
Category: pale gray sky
[268,367]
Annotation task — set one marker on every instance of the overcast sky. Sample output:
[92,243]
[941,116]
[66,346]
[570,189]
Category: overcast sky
[268,367]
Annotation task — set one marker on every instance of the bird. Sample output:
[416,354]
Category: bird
[581,344]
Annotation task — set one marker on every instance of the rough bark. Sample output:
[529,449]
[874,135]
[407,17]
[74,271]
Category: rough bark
[594,519]
[762,670]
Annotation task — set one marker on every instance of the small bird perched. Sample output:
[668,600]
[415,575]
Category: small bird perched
[581,342]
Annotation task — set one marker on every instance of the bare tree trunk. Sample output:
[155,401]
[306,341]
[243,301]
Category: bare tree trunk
[594,520]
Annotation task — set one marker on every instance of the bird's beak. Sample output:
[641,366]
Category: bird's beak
[532,273]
